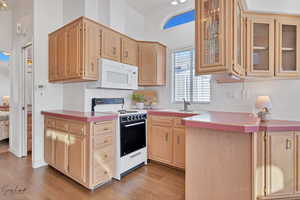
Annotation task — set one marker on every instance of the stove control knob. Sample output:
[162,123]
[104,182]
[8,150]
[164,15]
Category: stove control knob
[128,118]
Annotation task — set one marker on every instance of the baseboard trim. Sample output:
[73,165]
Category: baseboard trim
[13,151]
[38,164]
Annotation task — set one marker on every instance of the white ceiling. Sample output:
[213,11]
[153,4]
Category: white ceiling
[148,6]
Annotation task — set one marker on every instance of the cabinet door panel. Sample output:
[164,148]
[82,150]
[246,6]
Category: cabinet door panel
[76,157]
[280,160]
[61,151]
[161,144]
[239,66]
[92,42]
[111,45]
[147,64]
[62,55]
[209,33]
[53,56]
[261,48]
[288,52]
[49,147]
[129,51]
[179,147]
[74,57]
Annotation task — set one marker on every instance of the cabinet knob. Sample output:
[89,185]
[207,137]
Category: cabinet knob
[105,172]
[167,137]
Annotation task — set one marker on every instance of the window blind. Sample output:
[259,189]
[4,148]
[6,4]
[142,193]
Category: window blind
[187,85]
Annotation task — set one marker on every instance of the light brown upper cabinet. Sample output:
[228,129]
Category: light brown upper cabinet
[74,52]
[111,45]
[288,52]
[261,47]
[219,37]
[152,64]
[129,51]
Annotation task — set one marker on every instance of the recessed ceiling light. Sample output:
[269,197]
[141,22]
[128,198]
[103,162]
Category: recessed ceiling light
[174,2]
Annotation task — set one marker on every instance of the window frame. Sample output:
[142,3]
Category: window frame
[173,77]
[176,15]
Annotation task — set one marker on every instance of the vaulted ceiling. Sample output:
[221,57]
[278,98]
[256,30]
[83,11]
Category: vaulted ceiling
[147,6]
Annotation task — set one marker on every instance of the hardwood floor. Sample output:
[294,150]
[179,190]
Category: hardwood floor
[18,181]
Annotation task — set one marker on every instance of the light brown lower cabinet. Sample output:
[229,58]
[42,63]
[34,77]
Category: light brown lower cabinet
[166,140]
[277,169]
[82,151]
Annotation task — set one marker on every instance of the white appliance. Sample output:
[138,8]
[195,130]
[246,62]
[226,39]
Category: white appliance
[131,135]
[115,75]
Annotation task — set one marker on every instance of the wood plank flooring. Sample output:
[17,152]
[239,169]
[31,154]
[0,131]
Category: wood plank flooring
[18,181]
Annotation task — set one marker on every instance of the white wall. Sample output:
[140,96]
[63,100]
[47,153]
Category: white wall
[6,30]
[121,17]
[22,13]
[286,6]
[51,97]
[72,9]
[237,97]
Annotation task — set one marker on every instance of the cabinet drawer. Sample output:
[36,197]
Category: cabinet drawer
[178,123]
[61,125]
[162,121]
[102,140]
[103,127]
[103,172]
[77,129]
[50,123]
[103,155]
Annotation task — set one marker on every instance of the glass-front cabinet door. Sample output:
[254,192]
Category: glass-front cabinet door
[288,52]
[261,36]
[238,22]
[210,35]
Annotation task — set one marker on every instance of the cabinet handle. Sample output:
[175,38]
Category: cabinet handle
[167,137]
[105,129]
[288,144]
[105,172]
[126,54]
[114,50]
[178,140]
[105,156]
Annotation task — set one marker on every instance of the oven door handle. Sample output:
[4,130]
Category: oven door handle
[129,125]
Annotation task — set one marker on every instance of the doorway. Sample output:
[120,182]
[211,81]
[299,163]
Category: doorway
[27,54]
[4,100]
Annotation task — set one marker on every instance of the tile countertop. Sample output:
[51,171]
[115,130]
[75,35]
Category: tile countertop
[228,121]
[82,116]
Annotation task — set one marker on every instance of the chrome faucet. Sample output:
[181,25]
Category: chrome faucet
[186,104]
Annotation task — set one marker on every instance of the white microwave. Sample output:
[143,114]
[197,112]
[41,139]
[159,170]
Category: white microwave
[116,75]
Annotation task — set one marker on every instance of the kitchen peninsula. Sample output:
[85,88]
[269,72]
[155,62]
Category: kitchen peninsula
[235,156]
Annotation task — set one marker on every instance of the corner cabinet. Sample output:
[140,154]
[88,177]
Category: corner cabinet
[166,140]
[219,37]
[152,64]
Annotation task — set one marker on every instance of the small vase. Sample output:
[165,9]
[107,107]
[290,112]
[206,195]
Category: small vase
[140,106]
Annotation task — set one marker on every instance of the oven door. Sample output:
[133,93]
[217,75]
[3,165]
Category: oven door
[133,136]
